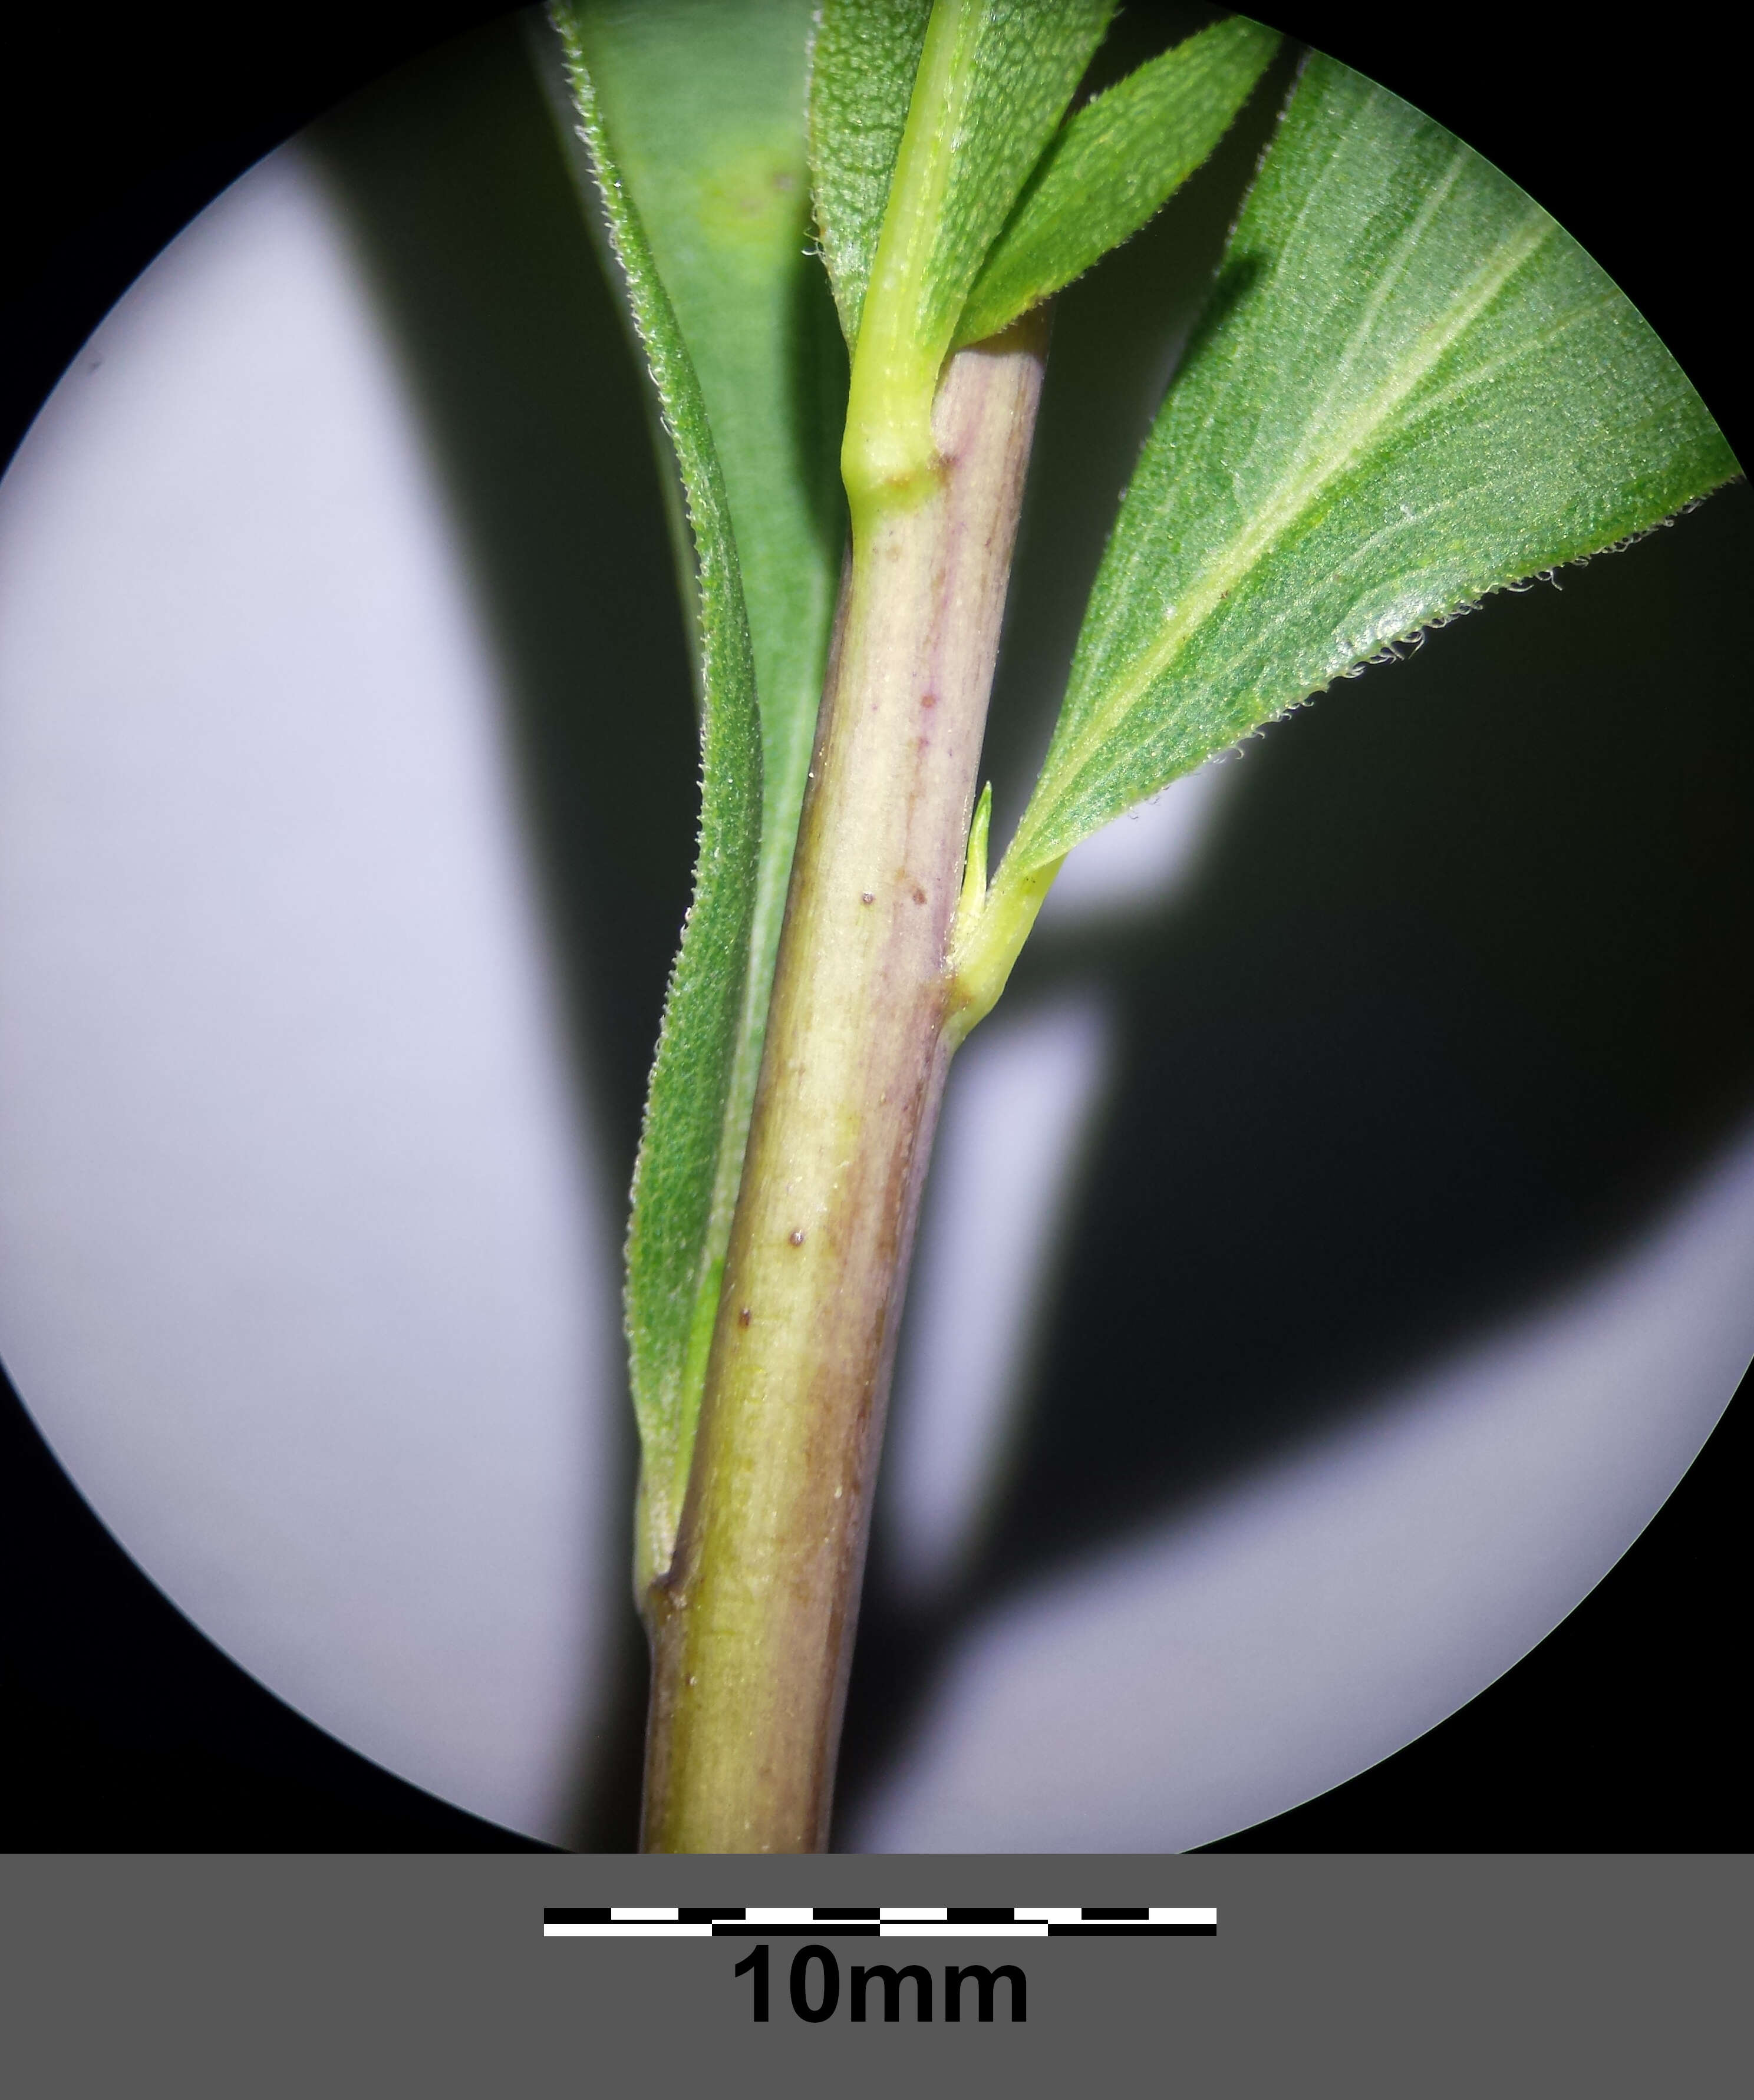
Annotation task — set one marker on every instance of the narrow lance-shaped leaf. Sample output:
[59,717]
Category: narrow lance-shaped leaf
[994,79]
[692,1144]
[1413,388]
[704,100]
[704,103]
[1112,166]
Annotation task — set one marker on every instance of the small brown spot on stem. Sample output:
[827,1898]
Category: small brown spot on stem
[919,895]
[797,1238]
[928,699]
[742,1317]
[867,896]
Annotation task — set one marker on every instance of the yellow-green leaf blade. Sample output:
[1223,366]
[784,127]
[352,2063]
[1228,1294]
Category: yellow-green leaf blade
[863,61]
[994,79]
[1023,60]
[1112,166]
[1413,388]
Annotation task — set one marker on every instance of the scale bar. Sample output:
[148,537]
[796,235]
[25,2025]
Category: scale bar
[900,1922]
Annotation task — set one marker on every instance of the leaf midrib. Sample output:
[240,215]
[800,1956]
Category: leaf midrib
[1310,472]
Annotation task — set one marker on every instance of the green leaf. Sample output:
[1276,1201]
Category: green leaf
[694,112]
[1413,388]
[994,79]
[1009,68]
[704,100]
[1111,167]
[863,64]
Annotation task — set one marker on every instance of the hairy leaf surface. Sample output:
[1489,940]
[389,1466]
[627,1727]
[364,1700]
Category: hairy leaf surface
[1412,388]
[1009,67]
[994,79]
[862,68]
[974,88]
[1113,164]
[695,113]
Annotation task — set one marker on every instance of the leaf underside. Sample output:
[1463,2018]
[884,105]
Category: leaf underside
[694,110]
[1412,388]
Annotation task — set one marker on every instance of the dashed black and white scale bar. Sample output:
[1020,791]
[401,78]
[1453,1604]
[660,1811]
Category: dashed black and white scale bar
[897,1922]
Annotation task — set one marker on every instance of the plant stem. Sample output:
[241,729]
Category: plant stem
[752,1629]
